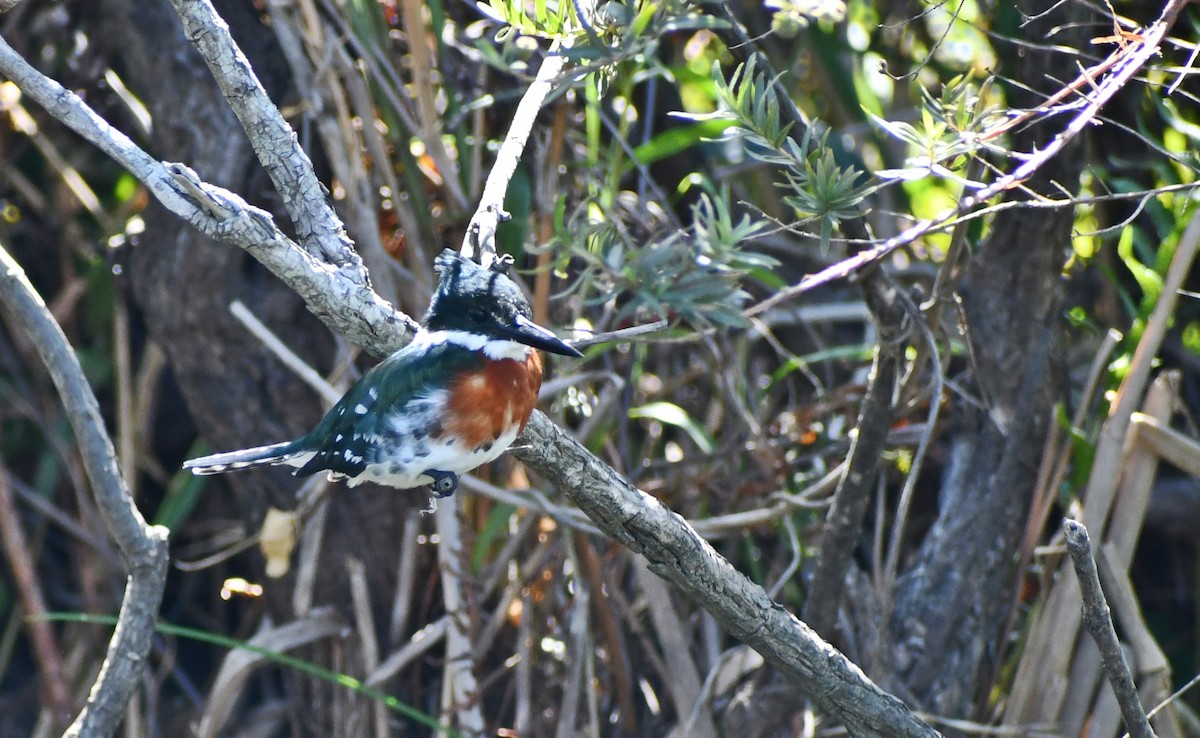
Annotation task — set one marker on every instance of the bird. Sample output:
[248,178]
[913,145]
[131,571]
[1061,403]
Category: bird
[454,398]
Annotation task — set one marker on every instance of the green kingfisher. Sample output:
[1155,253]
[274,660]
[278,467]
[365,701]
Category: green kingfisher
[454,398]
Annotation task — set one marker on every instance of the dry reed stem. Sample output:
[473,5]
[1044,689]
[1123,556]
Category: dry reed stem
[50,672]
[238,665]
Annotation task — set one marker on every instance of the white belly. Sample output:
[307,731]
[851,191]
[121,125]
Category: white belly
[446,457]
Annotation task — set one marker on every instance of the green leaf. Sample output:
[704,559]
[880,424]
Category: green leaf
[668,413]
[638,27]
[680,138]
[1148,280]
[495,528]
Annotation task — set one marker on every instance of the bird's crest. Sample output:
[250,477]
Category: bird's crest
[461,279]
[450,265]
[501,264]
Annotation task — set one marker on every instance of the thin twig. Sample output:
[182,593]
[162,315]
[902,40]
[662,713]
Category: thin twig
[412,15]
[290,359]
[892,564]
[480,241]
[622,334]
[50,673]
[314,510]
[531,499]
[789,524]
[685,685]
[420,642]
[523,712]
[238,665]
[1133,60]
[1103,481]
[549,162]
[521,575]
[36,501]
[813,497]
[1098,621]
[1174,696]
[364,622]
[127,440]
[460,687]
[406,576]
[844,519]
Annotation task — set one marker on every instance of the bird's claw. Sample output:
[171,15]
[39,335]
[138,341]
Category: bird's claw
[444,483]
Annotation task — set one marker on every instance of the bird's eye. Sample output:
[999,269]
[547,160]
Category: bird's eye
[478,315]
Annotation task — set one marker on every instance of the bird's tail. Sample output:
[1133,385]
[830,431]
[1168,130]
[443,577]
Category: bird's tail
[276,453]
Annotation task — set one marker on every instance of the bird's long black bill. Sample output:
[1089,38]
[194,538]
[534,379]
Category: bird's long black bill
[532,334]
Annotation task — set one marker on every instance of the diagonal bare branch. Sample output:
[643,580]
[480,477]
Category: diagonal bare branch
[1129,61]
[274,141]
[480,241]
[673,549]
[338,295]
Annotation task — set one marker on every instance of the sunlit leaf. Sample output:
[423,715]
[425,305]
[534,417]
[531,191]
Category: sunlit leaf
[669,413]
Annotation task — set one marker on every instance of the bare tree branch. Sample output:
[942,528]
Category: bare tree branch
[347,304]
[460,685]
[1129,60]
[337,295]
[844,521]
[480,240]
[678,554]
[17,549]
[143,547]
[274,141]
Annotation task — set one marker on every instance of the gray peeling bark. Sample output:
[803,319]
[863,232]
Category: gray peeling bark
[676,553]
[182,281]
[951,604]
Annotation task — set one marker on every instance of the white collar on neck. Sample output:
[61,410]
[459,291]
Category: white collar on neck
[493,348]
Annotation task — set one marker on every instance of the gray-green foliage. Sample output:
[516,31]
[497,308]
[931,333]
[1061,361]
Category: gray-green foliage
[816,186]
[953,127]
[694,275]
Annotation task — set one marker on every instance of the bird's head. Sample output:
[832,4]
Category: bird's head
[477,305]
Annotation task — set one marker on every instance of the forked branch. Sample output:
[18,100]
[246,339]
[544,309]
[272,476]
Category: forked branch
[337,294]
[143,547]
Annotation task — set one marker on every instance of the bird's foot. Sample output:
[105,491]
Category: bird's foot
[444,483]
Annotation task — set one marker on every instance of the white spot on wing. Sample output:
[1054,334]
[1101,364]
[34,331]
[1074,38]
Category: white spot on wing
[360,409]
[300,459]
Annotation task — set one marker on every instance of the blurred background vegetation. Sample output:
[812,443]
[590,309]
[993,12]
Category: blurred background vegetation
[697,160]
